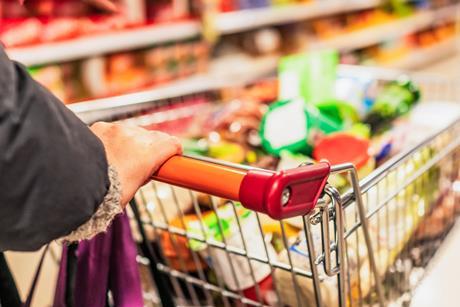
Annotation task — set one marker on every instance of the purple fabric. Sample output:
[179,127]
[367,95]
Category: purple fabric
[106,262]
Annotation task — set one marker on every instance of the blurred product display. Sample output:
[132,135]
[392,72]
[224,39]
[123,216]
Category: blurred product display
[272,88]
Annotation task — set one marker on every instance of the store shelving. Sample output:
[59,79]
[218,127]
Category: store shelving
[103,43]
[386,31]
[424,56]
[225,23]
[238,21]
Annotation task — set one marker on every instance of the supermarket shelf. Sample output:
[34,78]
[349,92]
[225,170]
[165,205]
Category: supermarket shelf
[226,23]
[221,73]
[238,21]
[376,34]
[426,56]
[103,43]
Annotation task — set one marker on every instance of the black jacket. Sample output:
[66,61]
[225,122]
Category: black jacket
[53,170]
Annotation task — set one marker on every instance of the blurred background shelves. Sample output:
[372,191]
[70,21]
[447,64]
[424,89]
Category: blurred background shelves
[388,30]
[225,23]
[99,44]
[420,58]
[238,21]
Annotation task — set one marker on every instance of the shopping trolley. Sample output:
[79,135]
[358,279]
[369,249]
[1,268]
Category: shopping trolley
[206,228]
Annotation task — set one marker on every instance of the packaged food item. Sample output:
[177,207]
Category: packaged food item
[262,42]
[238,121]
[310,76]
[56,29]
[166,10]
[355,89]
[252,4]
[394,100]
[50,77]
[12,9]
[340,112]
[360,278]
[163,201]
[227,151]
[176,249]
[124,73]
[20,32]
[134,11]
[93,76]
[295,126]
[338,148]
[226,226]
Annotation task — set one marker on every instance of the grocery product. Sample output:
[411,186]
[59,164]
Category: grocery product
[51,77]
[311,76]
[299,256]
[394,100]
[164,202]
[176,249]
[356,90]
[341,112]
[294,126]
[338,148]
[238,228]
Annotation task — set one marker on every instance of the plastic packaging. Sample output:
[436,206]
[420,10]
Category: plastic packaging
[294,126]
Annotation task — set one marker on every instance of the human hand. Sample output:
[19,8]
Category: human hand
[135,153]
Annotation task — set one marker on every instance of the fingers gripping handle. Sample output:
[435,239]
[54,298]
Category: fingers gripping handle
[282,194]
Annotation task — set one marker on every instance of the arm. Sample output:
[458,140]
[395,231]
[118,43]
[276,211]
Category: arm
[54,169]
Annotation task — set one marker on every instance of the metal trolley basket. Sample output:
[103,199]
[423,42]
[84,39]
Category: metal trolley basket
[368,245]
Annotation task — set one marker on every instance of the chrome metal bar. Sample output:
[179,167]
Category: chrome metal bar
[362,215]
[225,293]
[224,240]
[293,274]
[381,171]
[436,159]
[245,247]
[209,251]
[339,222]
[311,259]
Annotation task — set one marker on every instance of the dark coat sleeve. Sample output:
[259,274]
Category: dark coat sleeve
[53,170]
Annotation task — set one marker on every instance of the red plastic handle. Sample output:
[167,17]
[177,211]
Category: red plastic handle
[281,195]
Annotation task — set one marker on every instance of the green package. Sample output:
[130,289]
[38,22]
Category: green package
[295,126]
[310,76]
[396,99]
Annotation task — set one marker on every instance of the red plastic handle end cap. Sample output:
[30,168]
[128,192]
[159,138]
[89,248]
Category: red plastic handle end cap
[284,194]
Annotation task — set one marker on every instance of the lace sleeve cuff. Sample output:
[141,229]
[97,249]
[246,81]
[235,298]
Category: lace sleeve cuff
[100,221]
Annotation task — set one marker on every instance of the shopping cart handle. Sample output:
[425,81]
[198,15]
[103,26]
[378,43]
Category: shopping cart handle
[281,195]
[286,193]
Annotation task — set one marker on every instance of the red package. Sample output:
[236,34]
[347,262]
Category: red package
[102,23]
[71,8]
[12,9]
[56,29]
[20,32]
